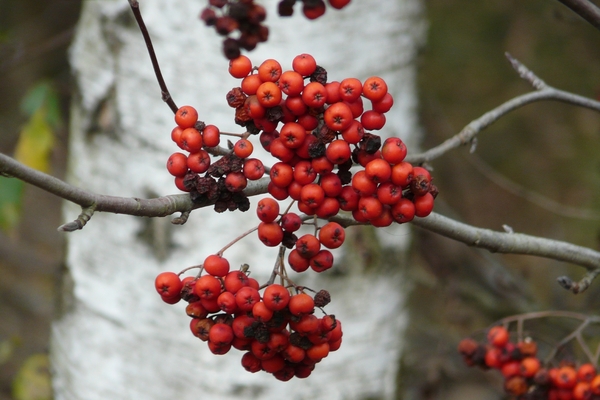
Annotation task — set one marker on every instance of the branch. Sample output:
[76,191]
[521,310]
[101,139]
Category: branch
[91,202]
[469,132]
[510,243]
[585,9]
[516,243]
[166,96]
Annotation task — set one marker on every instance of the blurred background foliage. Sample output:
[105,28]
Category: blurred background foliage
[536,170]
[35,87]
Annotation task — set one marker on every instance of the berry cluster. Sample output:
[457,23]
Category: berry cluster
[277,332]
[325,129]
[222,182]
[525,376]
[312,9]
[244,19]
[243,16]
[328,162]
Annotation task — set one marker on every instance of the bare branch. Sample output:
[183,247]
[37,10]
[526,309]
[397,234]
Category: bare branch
[585,9]
[91,202]
[469,132]
[516,243]
[501,242]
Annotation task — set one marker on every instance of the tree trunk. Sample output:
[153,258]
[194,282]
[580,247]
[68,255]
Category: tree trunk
[114,337]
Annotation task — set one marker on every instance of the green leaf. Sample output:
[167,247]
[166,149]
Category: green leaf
[11,194]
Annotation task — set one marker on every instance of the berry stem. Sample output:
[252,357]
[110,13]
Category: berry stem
[278,264]
[166,96]
[201,266]
[237,239]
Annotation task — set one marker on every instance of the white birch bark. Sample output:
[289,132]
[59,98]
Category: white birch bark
[115,339]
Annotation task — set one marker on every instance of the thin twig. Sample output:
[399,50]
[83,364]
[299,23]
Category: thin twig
[237,239]
[529,195]
[166,96]
[469,132]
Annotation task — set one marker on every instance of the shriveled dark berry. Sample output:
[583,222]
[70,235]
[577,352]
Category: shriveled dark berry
[225,25]
[231,48]
[248,41]
[209,16]
[199,126]
[261,332]
[433,190]
[289,239]
[285,8]
[205,184]
[322,298]
[316,150]
[239,10]
[190,180]
[419,185]
[370,143]
[236,97]
[274,114]
[256,14]
[252,129]
[241,116]
[345,176]
[320,75]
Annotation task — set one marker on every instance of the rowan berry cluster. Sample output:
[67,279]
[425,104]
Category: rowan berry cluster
[324,134]
[244,19]
[222,182]
[328,162]
[312,9]
[278,332]
[525,375]
[242,16]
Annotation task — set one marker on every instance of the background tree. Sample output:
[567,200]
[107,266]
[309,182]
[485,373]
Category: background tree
[140,347]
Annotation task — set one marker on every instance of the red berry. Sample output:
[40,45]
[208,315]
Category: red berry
[270,233]
[498,336]
[216,265]
[186,117]
[276,297]
[168,284]
[177,164]
[304,64]
[393,150]
[332,235]
[243,148]
[246,297]
[267,209]
[301,304]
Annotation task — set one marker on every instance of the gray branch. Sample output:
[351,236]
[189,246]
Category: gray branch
[468,133]
[500,242]
[517,243]
[91,202]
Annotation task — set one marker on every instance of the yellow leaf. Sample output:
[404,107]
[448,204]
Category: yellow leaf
[35,142]
[33,379]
